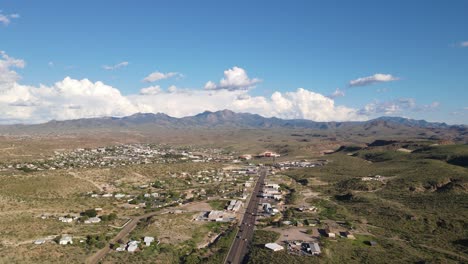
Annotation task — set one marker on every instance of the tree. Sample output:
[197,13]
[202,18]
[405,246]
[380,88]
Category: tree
[192,259]
[90,213]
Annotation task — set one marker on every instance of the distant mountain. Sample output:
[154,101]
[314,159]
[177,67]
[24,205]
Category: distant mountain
[221,119]
[410,122]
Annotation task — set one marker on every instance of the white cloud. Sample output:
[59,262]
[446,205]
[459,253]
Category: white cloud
[301,104]
[7,75]
[337,93]
[71,99]
[156,76]
[172,89]
[151,90]
[116,66]
[5,19]
[464,44]
[376,78]
[397,106]
[66,99]
[234,79]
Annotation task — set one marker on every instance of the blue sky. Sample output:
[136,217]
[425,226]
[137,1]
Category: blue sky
[319,46]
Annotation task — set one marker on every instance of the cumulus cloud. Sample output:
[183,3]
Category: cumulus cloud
[66,99]
[7,75]
[376,78]
[299,104]
[235,78]
[5,19]
[151,90]
[397,106]
[337,93]
[115,66]
[156,76]
[71,98]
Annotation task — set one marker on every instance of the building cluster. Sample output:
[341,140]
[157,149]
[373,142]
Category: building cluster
[134,245]
[217,216]
[299,164]
[271,191]
[373,178]
[234,205]
[303,248]
[122,155]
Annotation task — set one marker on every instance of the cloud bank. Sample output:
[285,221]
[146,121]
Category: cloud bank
[72,99]
[397,106]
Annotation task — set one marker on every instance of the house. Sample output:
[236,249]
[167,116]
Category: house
[245,157]
[348,235]
[65,240]
[274,246]
[93,220]
[312,248]
[148,240]
[268,154]
[132,246]
[120,249]
[39,242]
[215,215]
[234,205]
[65,219]
[237,206]
[267,208]
[329,232]
[272,186]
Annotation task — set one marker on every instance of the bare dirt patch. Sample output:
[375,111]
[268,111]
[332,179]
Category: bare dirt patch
[294,233]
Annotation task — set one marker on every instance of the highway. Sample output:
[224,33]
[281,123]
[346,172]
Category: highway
[240,246]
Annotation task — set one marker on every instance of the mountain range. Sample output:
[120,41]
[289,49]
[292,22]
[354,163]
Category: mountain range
[222,119]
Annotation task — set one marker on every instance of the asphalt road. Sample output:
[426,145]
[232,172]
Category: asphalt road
[240,246]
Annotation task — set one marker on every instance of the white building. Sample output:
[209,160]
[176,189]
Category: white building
[93,220]
[65,240]
[274,246]
[119,195]
[132,246]
[148,240]
[65,219]
[39,242]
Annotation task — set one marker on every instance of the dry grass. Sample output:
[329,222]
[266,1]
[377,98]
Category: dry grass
[174,228]
[47,253]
